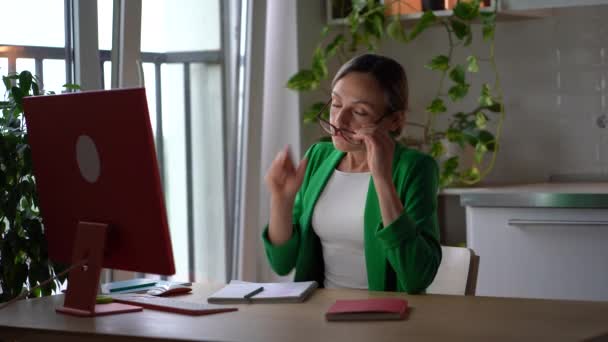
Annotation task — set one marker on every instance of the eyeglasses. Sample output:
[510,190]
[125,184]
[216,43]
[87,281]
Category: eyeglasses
[347,134]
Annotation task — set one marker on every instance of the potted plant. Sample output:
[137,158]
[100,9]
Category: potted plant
[369,23]
[24,260]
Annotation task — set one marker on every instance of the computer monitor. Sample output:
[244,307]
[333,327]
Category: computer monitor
[97,178]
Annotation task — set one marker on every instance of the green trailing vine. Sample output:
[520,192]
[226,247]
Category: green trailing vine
[367,26]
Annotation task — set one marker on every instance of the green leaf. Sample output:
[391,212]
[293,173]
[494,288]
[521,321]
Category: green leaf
[481,120]
[354,21]
[437,149]
[450,165]
[19,273]
[472,65]
[457,74]
[70,86]
[461,30]
[467,10]
[58,268]
[25,82]
[488,140]
[485,99]
[17,94]
[359,5]
[427,19]
[441,62]
[446,180]
[485,89]
[480,151]
[324,31]
[489,25]
[395,30]
[458,92]
[488,17]
[332,48]
[7,82]
[455,136]
[355,41]
[488,32]
[372,46]
[21,257]
[46,290]
[35,89]
[319,64]
[310,115]
[471,175]
[303,80]
[470,136]
[495,107]
[469,39]
[436,106]
[377,25]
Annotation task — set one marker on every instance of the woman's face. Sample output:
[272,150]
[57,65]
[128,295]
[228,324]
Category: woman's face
[357,102]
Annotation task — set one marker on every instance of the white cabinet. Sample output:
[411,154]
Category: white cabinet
[540,252]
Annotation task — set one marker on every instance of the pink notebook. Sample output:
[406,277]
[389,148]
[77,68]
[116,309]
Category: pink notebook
[368,309]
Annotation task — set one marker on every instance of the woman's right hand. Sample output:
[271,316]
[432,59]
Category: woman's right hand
[283,178]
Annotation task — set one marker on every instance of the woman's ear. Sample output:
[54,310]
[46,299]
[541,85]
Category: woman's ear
[397,121]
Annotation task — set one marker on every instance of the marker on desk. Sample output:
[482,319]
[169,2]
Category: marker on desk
[254,292]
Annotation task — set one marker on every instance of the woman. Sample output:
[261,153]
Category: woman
[359,212]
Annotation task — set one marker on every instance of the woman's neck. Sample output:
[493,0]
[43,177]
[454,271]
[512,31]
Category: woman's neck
[354,162]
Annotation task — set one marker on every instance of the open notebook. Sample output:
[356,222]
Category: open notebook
[245,292]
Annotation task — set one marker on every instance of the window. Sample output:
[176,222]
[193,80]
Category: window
[180,43]
[31,47]
[49,12]
[183,71]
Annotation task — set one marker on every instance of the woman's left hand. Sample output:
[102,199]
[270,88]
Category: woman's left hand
[380,148]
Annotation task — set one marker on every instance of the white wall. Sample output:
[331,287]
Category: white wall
[553,73]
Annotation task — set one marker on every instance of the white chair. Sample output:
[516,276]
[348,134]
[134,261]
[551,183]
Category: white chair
[457,274]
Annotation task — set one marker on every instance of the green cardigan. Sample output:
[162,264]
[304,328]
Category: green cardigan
[403,256]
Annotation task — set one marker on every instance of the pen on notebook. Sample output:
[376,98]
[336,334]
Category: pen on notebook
[254,292]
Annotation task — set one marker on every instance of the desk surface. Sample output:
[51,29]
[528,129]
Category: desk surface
[433,318]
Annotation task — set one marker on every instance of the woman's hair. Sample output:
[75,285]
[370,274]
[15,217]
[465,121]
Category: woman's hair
[389,74]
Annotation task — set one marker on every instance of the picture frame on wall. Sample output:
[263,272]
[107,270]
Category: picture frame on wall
[338,10]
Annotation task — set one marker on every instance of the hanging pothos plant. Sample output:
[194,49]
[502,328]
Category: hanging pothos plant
[367,26]
[24,261]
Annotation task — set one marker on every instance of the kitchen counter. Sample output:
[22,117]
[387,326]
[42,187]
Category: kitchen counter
[538,195]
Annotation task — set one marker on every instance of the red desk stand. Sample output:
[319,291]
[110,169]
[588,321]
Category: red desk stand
[84,281]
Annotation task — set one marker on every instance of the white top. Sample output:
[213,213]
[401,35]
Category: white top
[338,221]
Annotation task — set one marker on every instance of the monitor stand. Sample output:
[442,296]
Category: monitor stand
[83,282]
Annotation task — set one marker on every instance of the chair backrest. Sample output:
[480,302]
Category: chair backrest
[457,273]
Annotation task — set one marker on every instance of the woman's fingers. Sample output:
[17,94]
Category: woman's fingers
[367,130]
[300,172]
[282,168]
[287,160]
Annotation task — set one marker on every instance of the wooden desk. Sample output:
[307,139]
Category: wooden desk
[433,318]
